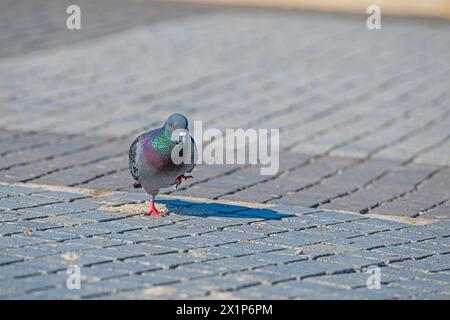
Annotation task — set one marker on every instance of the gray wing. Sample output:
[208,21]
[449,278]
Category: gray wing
[132,157]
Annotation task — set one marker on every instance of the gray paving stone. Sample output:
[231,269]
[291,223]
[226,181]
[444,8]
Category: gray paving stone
[303,269]
[419,287]
[336,216]
[422,265]
[430,246]
[351,261]
[225,283]
[285,290]
[345,280]
[166,260]
[398,253]
[8,259]
[375,241]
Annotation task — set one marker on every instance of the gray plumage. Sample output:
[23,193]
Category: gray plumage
[150,155]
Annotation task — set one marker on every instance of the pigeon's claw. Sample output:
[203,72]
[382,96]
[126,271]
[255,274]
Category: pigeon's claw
[180,179]
[154,211]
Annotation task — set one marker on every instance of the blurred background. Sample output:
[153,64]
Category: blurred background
[40,23]
[431,8]
[364,114]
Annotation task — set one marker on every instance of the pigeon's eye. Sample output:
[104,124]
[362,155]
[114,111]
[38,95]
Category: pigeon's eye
[173,126]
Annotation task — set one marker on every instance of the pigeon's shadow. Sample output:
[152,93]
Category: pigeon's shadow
[188,208]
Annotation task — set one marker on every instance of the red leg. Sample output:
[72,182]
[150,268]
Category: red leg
[154,211]
[180,179]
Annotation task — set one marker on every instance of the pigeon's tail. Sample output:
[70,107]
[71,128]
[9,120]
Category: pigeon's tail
[137,185]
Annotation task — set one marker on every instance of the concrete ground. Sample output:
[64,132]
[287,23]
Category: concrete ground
[364,177]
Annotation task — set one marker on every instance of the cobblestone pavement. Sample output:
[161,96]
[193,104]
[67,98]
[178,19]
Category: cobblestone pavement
[209,249]
[364,178]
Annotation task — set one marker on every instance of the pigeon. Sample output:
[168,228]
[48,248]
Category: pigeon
[162,157]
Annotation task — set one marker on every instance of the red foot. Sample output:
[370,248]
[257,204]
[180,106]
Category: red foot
[180,179]
[154,211]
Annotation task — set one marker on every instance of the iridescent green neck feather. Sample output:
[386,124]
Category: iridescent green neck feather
[163,142]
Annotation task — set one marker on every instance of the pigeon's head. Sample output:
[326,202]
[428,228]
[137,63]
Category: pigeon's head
[177,126]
